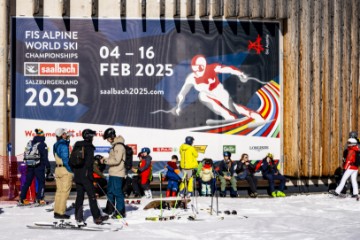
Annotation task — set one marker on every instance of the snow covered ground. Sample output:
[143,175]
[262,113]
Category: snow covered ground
[315,216]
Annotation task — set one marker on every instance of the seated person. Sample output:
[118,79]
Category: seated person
[245,170]
[270,172]
[226,173]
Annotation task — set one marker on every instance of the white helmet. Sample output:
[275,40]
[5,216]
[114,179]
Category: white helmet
[352,142]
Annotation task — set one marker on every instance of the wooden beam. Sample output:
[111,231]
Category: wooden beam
[305,90]
[292,166]
[317,55]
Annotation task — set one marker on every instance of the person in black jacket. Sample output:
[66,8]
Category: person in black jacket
[83,177]
[270,172]
[37,170]
[226,172]
[245,170]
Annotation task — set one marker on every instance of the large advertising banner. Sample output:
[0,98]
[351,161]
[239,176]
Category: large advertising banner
[155,82]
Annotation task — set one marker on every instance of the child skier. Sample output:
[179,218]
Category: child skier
[350,167]
[207,177]
[145,171]
[173,175]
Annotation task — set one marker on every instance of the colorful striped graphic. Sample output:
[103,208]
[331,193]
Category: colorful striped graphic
[269,108]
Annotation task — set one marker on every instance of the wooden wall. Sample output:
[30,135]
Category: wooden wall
[320,64]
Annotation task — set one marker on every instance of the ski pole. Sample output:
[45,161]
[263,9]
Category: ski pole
[122,217]
[161,209]
[195,190]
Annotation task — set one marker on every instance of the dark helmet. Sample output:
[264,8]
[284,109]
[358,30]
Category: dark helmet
[189,140]
[88,134]
[353,134]
[145,149]
[208,161]
[109,133]
[227,154]
[97,159]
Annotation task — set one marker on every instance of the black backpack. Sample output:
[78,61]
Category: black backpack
[77,157]
[357,159]
[128,156]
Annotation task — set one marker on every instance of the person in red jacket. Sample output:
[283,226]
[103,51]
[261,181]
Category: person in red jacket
[350,168]
[145,171]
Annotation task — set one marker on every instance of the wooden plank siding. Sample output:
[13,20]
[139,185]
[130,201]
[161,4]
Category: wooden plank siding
[320,67]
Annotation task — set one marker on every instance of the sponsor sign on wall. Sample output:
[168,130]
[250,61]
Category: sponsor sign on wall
[155,82]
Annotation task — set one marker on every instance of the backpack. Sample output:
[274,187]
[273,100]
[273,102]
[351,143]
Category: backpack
[128,156]
[77,158]
[31,154]
[357,159]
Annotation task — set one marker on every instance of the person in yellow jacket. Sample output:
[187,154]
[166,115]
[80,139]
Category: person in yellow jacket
[188,163]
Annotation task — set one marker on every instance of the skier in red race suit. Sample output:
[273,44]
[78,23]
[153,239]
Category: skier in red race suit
[212,92]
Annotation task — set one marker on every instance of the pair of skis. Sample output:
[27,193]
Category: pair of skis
[66,225]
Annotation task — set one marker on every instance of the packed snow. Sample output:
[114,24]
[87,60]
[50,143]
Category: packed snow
[316,216]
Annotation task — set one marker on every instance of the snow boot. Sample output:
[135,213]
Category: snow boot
[223,194]
[273,194]
[109,209]
[234,212]
[227,212]
[168,192]
[148,194]
[280,194]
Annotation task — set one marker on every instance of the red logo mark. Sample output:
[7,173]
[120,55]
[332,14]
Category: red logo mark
[162,149]
[256,45]
[134,148]
[59,69]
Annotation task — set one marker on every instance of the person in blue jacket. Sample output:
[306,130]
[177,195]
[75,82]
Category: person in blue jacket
[270,172]
[63,172]
[37,170]
[173,175]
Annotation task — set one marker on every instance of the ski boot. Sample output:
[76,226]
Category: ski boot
[280,194]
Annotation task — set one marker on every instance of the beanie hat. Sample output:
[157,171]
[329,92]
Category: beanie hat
[39,132]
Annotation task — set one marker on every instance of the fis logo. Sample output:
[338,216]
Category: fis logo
[51,69]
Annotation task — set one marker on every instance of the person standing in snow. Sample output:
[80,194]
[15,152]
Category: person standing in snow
[37,170]
[173,175]
[145,171]
[84,180]
[352,159]
[117,172]
[207,177]
[188,163]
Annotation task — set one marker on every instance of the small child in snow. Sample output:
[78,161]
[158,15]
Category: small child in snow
[173,175]
[145,171]
[207,177]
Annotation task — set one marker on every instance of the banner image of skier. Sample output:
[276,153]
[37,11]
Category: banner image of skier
[218,80]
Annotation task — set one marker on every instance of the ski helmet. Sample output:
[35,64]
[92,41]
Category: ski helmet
[198,63]
[351,142]
[145,149]
[353,134]
[88,134]
[189,140]
[270,155]
[227,154]
[109,133]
